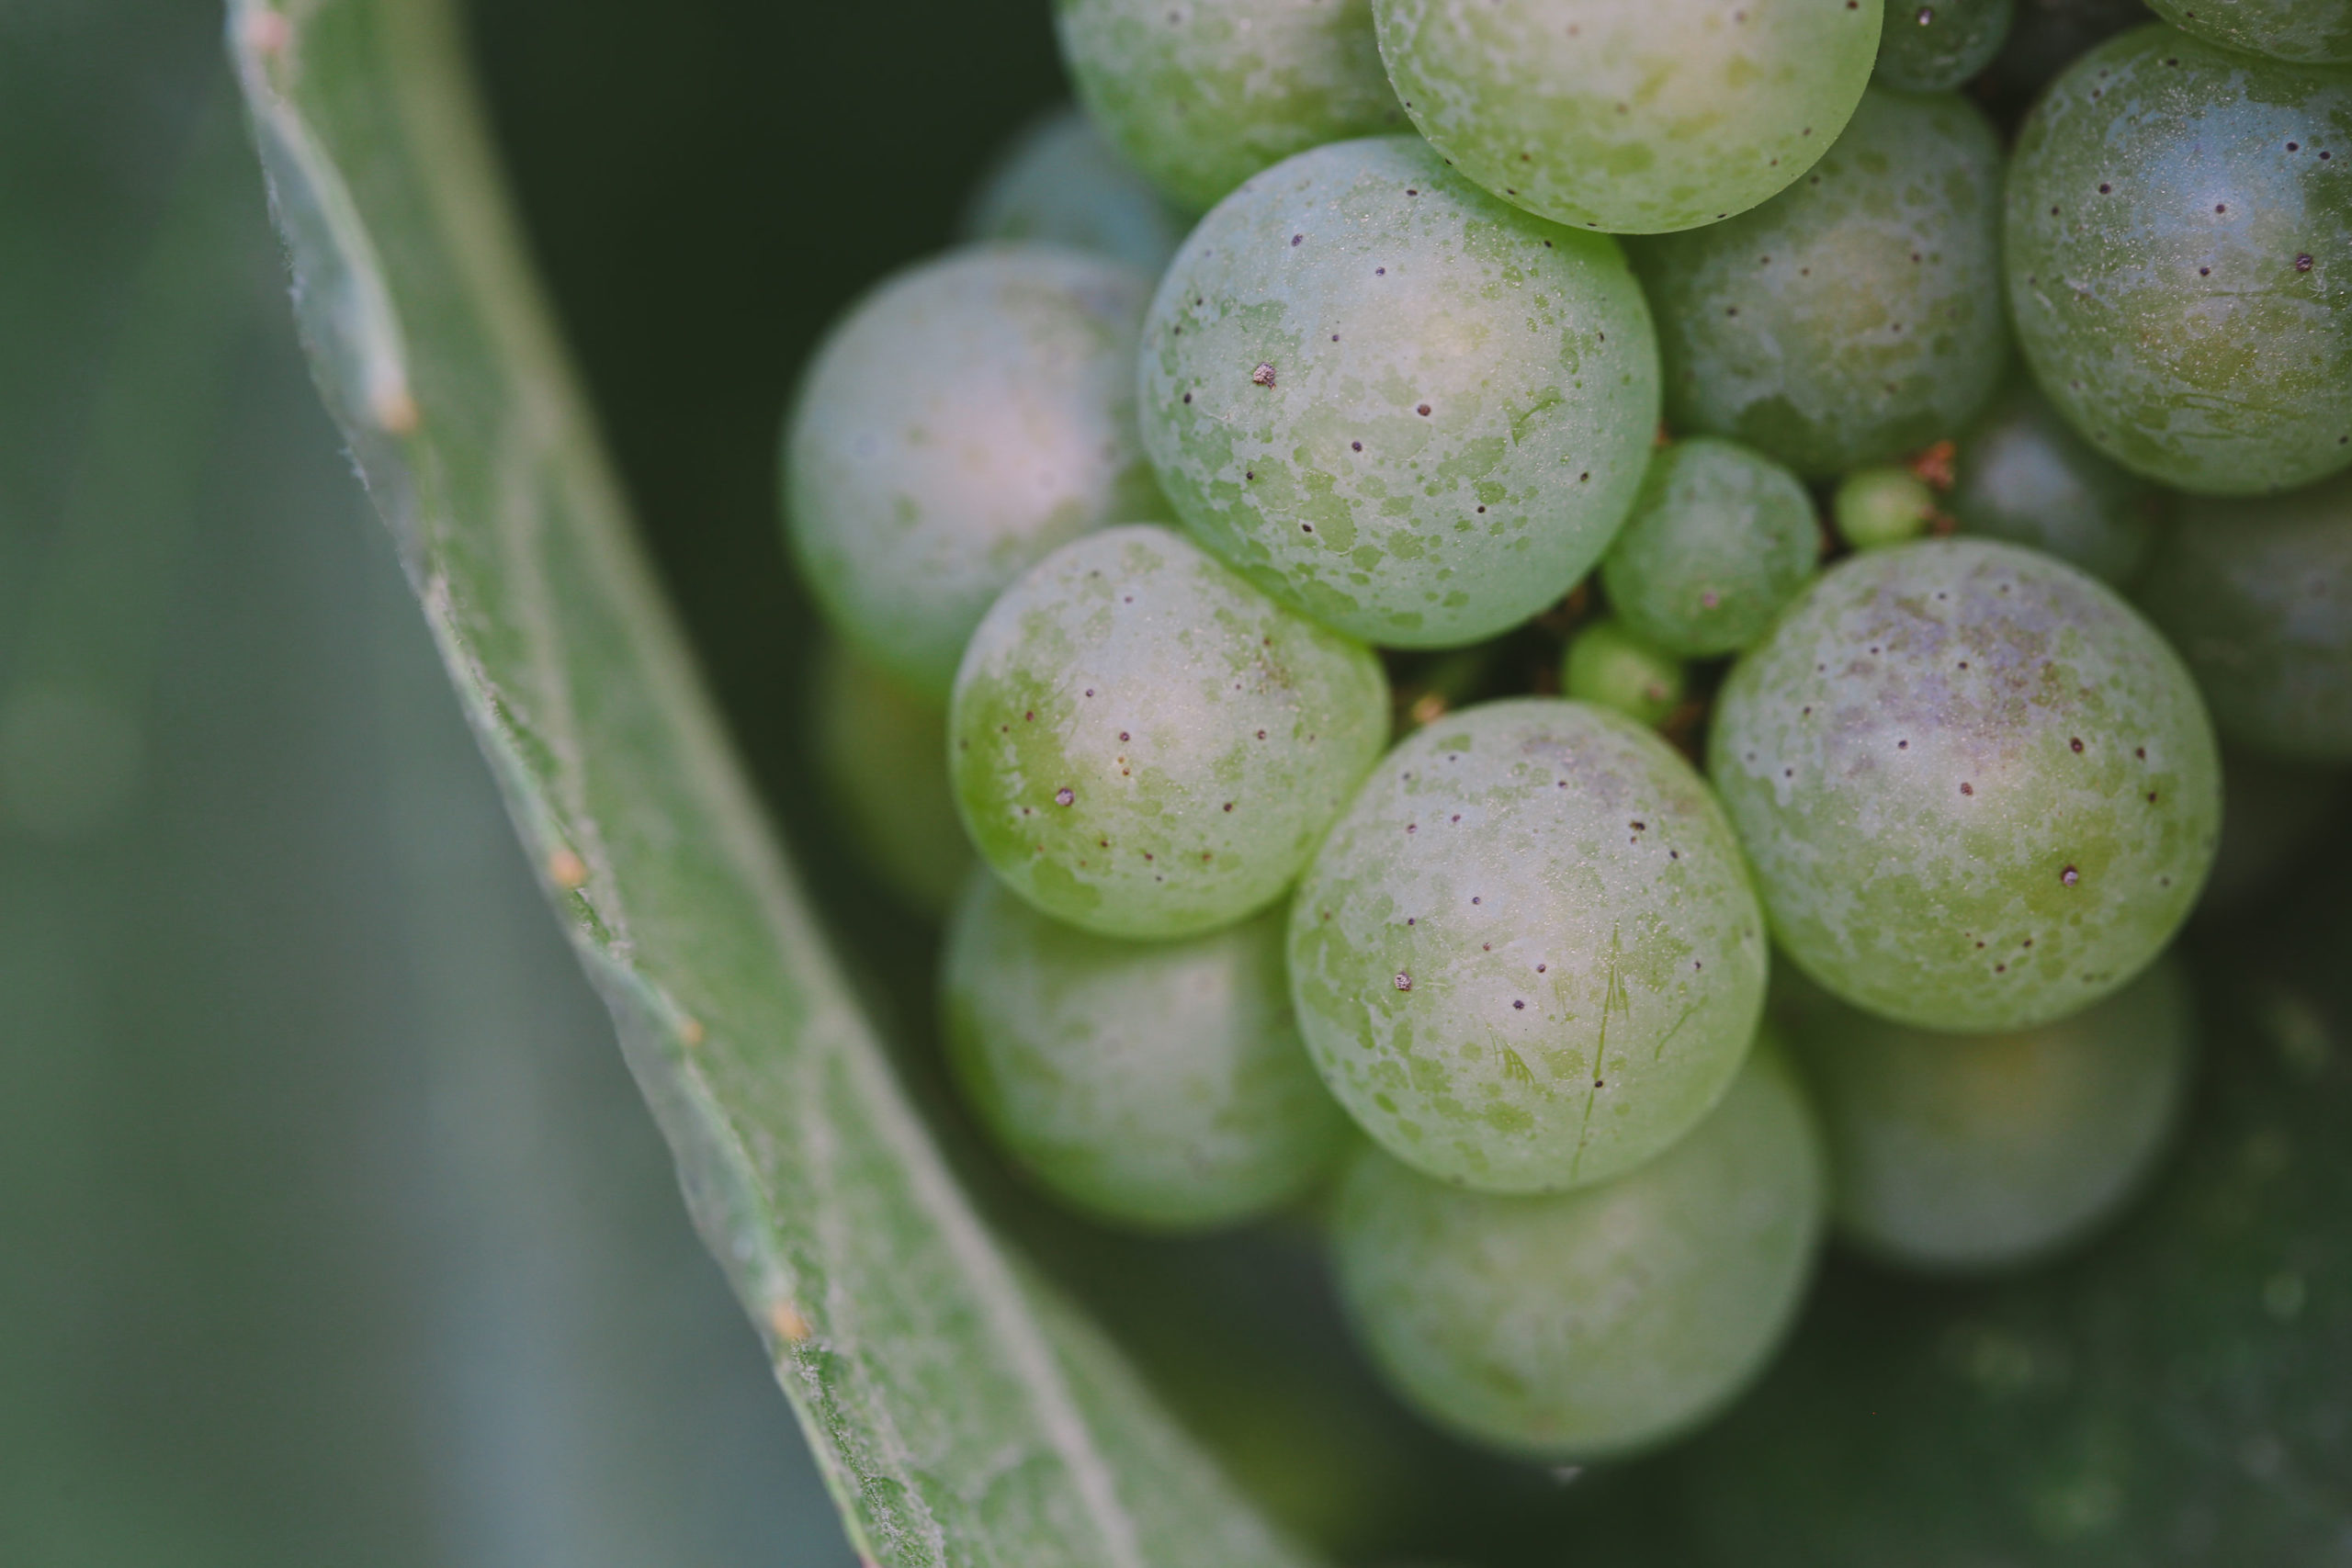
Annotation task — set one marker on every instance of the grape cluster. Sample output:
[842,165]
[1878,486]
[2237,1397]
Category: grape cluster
[1595,628]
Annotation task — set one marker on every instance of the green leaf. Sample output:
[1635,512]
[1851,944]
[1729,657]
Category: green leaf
[962,1411]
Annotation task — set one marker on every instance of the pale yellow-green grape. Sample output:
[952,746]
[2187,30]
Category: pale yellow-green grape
[1856,316]
[2180,261]
[2026,476]
[1528,957]
[1978,791]
[1877,507]
[883,755]
[2258,596]
[1583,1325]
[1970,1152]
[1200,95]
[2271,810]
[1395,402]
[963,418]
[1060,183]
[1611,666]
[1933,45]
[1631,117]
[1156,1083]
[1719,539]
[1144,745]
[2312,31]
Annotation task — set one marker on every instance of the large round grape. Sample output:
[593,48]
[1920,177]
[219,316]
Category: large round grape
[1979,792]
[1144,745]
[1857,315]
[1393,401]
[1952,1152]
[1581,1325]
[2026,476]
[883,755]
[1156,1084]
[965,418]
[1719,539]
[2312,31]
[1933,45]
[1060,183]
[1631,117]
[1528,957]
[2258,596]
[1200,95]
[2179,255]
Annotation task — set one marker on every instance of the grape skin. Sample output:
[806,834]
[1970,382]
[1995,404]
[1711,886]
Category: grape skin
[1719,539]
[1059,183]
[1933,45]
[1393,402]
[1978,791]
[2258,596]
[963,418]
[1856,316]
[1975,1152]
[2312,32]
[1628,116]
[1610,667]
[1144,745]
[2179,252]
[882,754]
[1528,957]
[1158,1085]
[1200,95]
[1591,1324]
[2026,476]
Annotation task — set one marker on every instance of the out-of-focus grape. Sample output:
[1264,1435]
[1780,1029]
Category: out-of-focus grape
[1720,537]
[1060,183]
[2313,32]
[2026,476]
[1610,666]
[883,753]
[1932,46]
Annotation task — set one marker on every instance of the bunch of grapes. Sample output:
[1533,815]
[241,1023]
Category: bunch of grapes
[1584,636]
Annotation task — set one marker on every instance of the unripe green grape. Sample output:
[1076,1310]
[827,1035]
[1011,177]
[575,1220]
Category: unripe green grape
[1978,791]
[1156,1084]
[1968,1151]
[1144,745]
[2271,810]
[1610,667]
[1059,183]
[1528,957]
[2258,596]
[1855,317]
[1933,45]
[882,752]
[2179,258]
[1409,410]
[2313,32]
[2026,476]
[1631,117]
[1878,507]
[966,417]
[1720,537]
[1582,1325]
[1200,95]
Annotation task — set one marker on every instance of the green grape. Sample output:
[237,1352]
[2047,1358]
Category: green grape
[1631,116]
[1395,402]
[1144,745]
[1156,1083]
[1979,792]
[2271,810]
[1200,95]
[2258,596]
[1855,317]
[1612,666]
[2312,31]
[2026,476]
[1060,183]
[965,418]
[1952,1152]
[882,754]
[1878,507]
[2179,256]
[1719,539]
[1583,1325]
[1528,956]
[1932,46]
